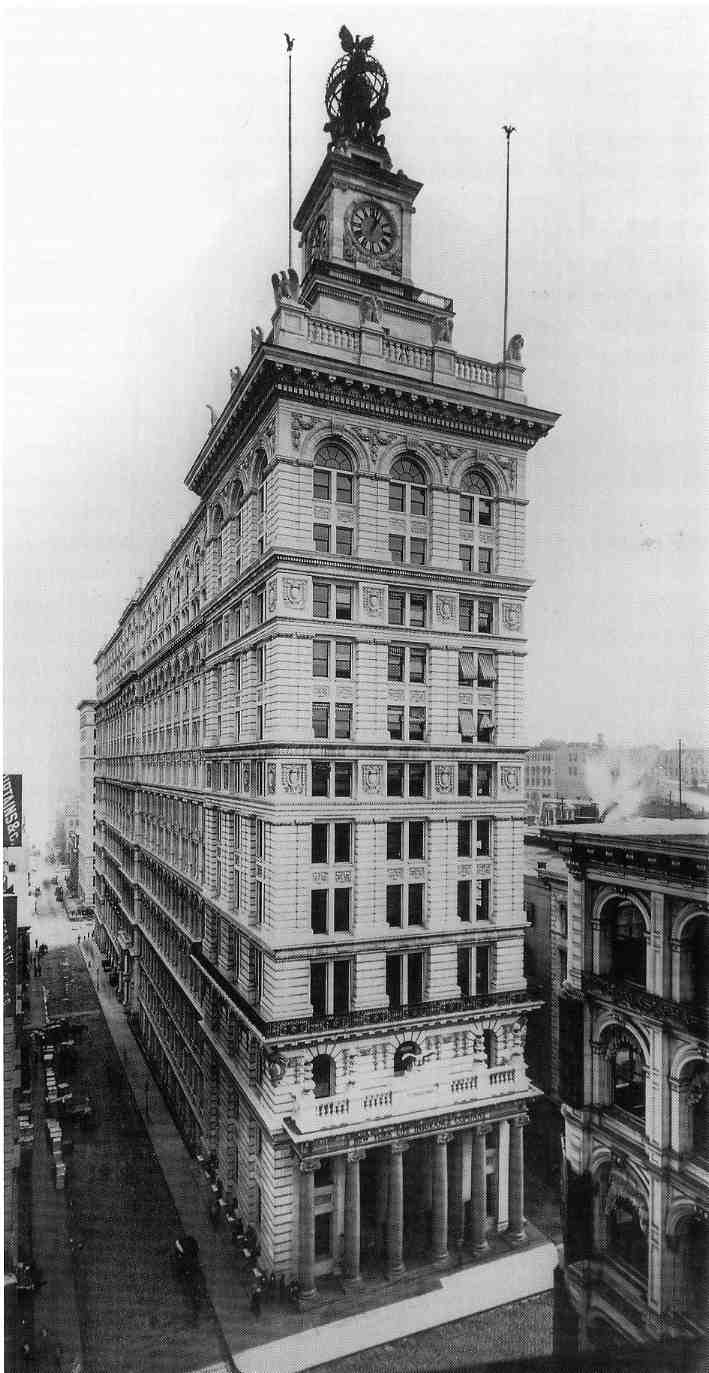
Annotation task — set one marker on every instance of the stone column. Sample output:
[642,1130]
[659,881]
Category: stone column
[516,1228]
[478,1191]
[440,1199]
[352,1216]
[457,1205]
[382,1202]
[395,1213]
[306,1222]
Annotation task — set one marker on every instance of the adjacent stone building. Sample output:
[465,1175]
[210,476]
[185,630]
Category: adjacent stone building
[310,752]
[87,764]
[634,1079]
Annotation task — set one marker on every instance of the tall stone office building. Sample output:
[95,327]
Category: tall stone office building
[310,746]
[87,765]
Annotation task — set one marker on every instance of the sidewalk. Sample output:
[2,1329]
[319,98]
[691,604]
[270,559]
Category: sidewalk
[283,1340]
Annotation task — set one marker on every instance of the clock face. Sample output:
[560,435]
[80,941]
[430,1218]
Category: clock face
[318,239]
[372,228]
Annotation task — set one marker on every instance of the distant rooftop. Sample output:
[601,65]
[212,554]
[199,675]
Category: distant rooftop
[644,833]
[537,853]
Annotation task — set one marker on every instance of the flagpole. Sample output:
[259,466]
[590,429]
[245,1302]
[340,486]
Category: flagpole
[289,45]
[509,129]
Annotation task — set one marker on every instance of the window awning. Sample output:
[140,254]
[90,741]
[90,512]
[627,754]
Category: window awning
[466,666]
[485,719]
[466,724]
[487,671]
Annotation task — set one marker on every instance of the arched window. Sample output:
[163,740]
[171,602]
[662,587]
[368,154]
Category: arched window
[260,466]
[323,1075]
[405,1057]
[625,934]
[333,475]
[475,502]
[628,1077]
[407,487]
[693,956]
[490,1043]
[626,1240]
[217,519]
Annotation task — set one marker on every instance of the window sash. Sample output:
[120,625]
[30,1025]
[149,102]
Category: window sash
[321,720]
[343,658]
[395,663]
[321,538]
[321,658]
[343,541]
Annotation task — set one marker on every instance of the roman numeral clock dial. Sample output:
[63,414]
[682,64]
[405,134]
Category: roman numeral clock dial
[372,229]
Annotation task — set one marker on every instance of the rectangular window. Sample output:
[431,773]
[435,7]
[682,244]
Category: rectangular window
[394,905]
[397,545]
[484,727]
[343,658]
[482,969]
[415,979]
[563,965]
[343,602]
[416,903]
[484,780]
[395,779]
[417,779]
[320,778]
[321,657]
[343,541]
[417,611]
[485,512]
[318,912]
[321,484]
[397,494]
[467,506]
[466,668]
[318,843]
[485,617]
[464,901]
[343,721]
[464,971]
[415,838]
[417,500]
[395,663]
[465,554]
[482,899]
[343,779]
[259,721]
[321,600]
[340,987]
[344,486]
[417,551]
[321,720]
[341,919]
[318,988]
[395,722]
[466,614]
[417,664]
[466,725]
[393,980]
[394,839]
[417,723]
[342,843]
[464,844]
[484,560]
[321,538]
[396,608]
[465,779]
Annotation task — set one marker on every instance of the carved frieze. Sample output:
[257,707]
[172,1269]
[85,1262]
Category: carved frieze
[271,595]
[271,778]
[372,598]
[443,778]
[293,778]
[512,615]
[510,778]
[371,777]
[294,592]
[445,609]
[300,424]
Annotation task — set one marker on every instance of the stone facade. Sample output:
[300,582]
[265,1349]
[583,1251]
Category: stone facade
[634,1081]
[310,755]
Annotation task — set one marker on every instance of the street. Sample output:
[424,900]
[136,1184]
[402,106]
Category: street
[103,1245]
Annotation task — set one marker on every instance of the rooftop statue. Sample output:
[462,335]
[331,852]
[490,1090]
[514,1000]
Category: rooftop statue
[356,93]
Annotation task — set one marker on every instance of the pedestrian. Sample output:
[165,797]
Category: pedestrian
[256,1301]
[271,1291]
[36,942]
[282,1290]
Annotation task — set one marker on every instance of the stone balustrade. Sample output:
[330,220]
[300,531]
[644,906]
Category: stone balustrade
[410,1094]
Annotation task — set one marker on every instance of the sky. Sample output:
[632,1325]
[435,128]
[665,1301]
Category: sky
[145,194]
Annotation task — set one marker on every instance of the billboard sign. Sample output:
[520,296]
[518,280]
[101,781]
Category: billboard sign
[12,810]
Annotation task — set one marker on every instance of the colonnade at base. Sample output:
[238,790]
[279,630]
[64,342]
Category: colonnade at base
[408,1193]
